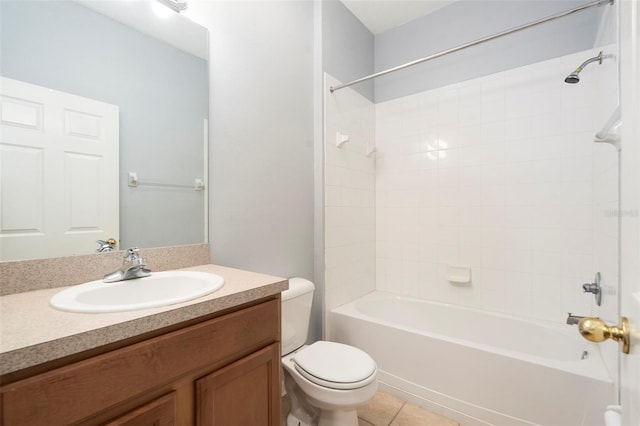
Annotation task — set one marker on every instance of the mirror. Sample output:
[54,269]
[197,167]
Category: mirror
[155,71]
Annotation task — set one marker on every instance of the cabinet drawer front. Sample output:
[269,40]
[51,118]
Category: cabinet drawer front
[74,392]
[160,412]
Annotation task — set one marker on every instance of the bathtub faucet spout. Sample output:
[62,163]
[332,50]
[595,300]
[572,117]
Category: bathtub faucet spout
[573,319]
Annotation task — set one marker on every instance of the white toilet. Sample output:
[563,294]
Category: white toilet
[333,377]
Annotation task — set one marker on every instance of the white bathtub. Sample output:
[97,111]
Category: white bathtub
[478,367]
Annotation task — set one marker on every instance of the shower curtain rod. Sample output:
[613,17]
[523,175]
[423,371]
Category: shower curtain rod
[473,43]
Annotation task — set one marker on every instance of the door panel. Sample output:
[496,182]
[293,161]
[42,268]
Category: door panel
[25,196]
[59,177]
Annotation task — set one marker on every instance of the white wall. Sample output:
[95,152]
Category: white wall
[495,173]
[261,134]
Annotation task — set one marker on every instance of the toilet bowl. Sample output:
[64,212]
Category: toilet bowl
[333,377]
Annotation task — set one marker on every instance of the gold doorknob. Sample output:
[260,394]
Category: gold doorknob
[595,330]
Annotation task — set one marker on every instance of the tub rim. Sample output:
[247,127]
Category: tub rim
[593,366]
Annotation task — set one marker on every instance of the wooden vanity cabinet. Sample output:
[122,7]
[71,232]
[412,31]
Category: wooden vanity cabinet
[223,371]
[160,412]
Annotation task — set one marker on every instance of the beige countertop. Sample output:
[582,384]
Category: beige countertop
[32,332]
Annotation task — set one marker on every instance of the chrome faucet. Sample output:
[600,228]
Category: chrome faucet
[105,245]
[573,319]
[132,267]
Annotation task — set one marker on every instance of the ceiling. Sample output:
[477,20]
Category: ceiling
[171,28]
[382,15]
[377,15]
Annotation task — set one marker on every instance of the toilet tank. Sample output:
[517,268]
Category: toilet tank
[296,312]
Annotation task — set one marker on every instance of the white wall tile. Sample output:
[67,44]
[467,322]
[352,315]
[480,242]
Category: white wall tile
[470,111]
[448,136]
[513,193]
[350,225]
[470,254]
[447,158]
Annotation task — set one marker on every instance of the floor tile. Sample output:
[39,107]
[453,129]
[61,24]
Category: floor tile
[381,410]
[412,415]
[286,408]
[364,422]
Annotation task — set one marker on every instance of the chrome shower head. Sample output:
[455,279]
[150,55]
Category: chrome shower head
[574,77]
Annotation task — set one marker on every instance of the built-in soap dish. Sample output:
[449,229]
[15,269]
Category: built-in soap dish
[459,274]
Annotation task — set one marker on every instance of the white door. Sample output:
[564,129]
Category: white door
[629,13]
[58,172]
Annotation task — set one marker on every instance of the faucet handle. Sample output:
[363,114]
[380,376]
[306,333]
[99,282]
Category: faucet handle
[132,255]
[106,245]
[132,252]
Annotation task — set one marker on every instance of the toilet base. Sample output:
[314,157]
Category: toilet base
[338,418]
[295,421]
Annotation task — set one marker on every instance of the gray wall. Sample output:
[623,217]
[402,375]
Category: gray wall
[162,93]
[347,46]
[261,134]
[265,114]
[469,20]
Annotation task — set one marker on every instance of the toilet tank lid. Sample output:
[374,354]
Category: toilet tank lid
[297,286]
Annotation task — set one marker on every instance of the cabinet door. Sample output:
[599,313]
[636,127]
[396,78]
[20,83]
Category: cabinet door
[246,392]
[160,412]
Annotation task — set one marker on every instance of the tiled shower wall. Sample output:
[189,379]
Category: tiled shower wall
[349,196]
[498,174]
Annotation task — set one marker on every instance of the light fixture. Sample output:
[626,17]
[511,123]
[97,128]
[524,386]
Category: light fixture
[161,10]
[175,5]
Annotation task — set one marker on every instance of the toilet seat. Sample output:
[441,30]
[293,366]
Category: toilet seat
[335,365]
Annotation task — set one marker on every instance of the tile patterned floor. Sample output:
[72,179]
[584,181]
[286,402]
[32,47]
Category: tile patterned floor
[387,410]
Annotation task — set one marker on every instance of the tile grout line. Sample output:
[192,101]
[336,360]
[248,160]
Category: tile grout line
[398,412]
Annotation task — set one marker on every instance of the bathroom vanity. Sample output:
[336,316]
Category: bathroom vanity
[211,361]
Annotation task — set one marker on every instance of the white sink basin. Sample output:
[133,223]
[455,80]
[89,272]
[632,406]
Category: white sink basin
[159,289]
